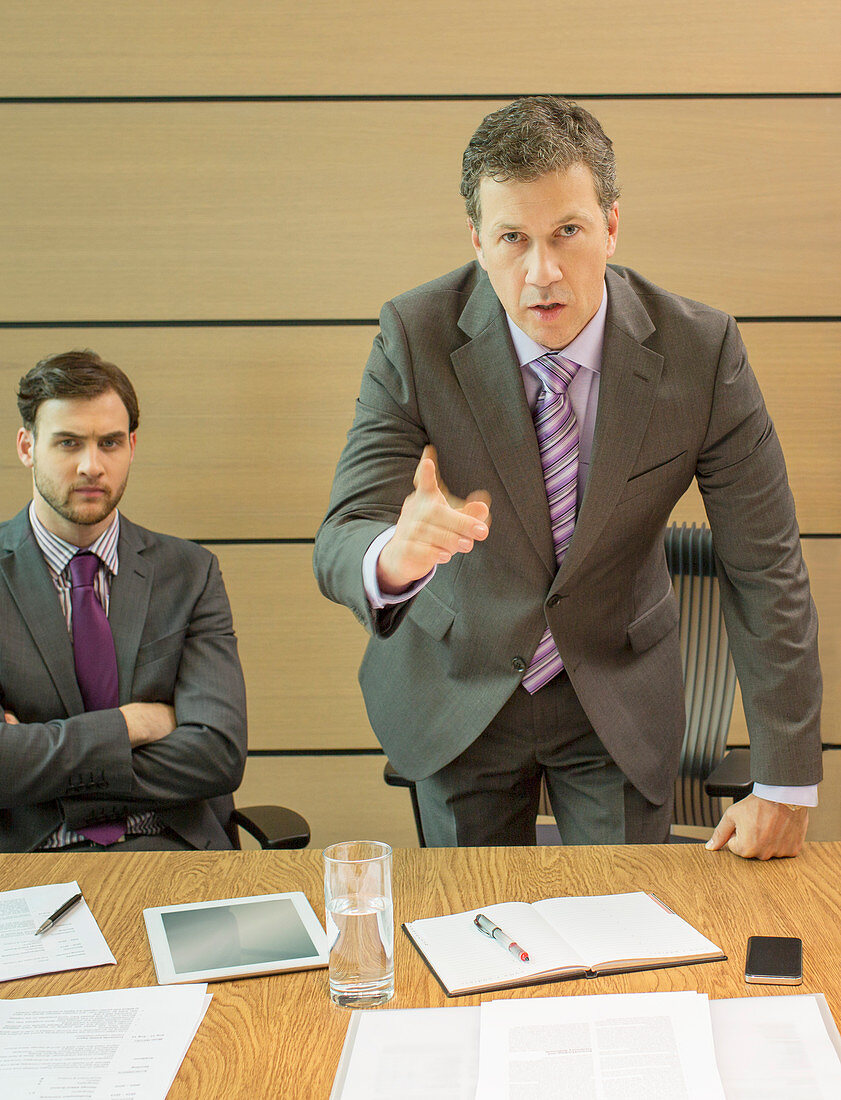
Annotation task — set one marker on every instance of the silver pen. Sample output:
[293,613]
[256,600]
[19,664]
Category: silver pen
[486,925]
[59,913]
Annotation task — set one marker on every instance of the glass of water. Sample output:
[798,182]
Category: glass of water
[360,922]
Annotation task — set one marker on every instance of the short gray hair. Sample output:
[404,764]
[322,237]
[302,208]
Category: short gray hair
[532,136]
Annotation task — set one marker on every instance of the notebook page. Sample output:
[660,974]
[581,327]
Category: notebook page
[465,958]
[623,927]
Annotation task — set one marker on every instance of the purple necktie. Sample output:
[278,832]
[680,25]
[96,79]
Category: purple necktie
[557,439]
[95,659]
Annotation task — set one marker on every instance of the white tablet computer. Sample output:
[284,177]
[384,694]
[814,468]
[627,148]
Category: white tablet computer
[234,938]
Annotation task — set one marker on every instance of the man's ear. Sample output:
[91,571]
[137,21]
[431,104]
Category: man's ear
[612,229]
[25,444]
[477,244]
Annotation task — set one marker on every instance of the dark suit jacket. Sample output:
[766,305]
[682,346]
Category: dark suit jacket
[677,400]
[175,643]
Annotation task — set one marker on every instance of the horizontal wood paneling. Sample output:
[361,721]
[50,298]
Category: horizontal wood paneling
[311,210]
[271,47]
[342,797]
[241,428]
[300,652]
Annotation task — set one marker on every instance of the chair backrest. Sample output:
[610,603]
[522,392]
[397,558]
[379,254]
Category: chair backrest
[708,674]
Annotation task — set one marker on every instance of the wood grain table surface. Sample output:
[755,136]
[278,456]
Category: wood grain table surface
[279,1036]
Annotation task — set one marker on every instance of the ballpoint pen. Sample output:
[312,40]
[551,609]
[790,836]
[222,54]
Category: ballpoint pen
[59,913]
[486,925]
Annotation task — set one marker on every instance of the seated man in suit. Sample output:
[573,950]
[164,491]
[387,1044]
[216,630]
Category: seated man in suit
[543,639]
[122,693]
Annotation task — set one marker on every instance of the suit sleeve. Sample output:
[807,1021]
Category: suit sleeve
[770,617]
[204,756]
[374,475]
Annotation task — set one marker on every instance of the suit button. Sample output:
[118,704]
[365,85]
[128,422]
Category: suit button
[553,601]
[518,664]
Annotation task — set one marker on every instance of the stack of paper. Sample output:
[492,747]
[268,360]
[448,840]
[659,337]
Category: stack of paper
[635,1046]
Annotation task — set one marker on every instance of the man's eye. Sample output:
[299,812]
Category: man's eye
[67,444]
[512,237]
[569,230]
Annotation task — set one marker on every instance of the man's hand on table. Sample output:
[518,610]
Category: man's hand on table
[756,828]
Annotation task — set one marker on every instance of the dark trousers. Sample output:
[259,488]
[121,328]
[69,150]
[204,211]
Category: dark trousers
[489,794]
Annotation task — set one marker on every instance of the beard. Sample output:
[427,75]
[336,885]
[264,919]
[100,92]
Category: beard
[60,499]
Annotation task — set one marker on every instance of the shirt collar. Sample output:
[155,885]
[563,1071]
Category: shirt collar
[585,349]
[58,551]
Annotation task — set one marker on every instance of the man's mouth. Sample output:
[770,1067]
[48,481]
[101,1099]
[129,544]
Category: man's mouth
[546,309]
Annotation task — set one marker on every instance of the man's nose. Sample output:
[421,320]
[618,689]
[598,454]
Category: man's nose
[543,267]
[90,462]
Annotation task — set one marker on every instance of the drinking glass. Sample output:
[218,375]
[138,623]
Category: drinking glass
[360,922]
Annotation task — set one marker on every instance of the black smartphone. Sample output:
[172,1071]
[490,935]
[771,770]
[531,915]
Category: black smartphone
[774,960]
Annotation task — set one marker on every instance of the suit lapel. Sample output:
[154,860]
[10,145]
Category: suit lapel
[31,587]
[131,590]
[627,391]
[490,378]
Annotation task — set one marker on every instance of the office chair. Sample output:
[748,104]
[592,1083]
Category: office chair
[271,826]
[707,772]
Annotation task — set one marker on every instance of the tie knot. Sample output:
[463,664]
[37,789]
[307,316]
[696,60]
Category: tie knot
[555,372]
[83,569]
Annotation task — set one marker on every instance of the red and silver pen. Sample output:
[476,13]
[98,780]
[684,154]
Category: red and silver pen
[484,924]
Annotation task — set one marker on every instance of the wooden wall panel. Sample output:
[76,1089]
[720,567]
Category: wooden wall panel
[300,653]
[312,210]
[196,47]
[240,428]
[342,797]
[253,420]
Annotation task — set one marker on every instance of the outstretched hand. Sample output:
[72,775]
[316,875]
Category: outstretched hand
[758,829]
[433,526]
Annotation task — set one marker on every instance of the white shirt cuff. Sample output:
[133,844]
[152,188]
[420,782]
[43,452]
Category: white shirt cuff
[797,796]
[376,598]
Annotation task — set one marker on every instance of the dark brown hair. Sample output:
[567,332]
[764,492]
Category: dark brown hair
[532,136]
[74,374]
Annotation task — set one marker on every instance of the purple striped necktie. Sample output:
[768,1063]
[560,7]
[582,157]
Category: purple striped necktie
[95,660]
[557,439]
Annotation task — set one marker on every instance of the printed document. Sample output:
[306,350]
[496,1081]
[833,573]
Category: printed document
[629,1046]
[125,1043]
[72,943]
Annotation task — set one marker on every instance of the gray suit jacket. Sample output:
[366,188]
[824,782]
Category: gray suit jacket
[175,643]
[677,400]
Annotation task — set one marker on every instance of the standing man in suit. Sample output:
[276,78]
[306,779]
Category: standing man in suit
[576,401]
[122,694]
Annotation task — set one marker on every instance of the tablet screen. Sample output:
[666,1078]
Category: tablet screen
[235,938]
[236,935]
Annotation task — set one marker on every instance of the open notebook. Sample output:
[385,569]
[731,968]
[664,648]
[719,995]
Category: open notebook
[564,937]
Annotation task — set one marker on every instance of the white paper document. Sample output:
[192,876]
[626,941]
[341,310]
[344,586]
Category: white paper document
[658,1046]
[125,1043]
[410,1053]
[72,943]
[633,1046]
[770,1048]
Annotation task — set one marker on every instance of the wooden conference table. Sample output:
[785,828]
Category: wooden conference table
[281,1036]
